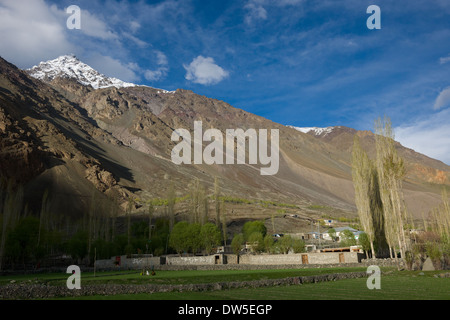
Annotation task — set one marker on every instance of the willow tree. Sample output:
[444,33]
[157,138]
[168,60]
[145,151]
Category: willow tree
[391,170]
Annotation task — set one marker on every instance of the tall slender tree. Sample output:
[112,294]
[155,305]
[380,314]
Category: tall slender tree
[391,170]
[129,211]
[363,176]
[151,210]
[224,223]
[171,206]
[217,200]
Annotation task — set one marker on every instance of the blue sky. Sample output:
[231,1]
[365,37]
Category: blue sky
[296,62]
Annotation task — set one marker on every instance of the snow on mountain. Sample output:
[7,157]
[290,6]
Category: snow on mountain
[70,67]
[317,131]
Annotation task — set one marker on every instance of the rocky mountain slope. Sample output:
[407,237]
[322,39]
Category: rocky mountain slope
[65,127]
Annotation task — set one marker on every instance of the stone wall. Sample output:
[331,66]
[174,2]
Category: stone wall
[132,263]
[137,262]
[42,291]
[185,261]
[305,258]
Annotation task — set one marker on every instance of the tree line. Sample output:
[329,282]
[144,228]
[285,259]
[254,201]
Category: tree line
[29,240]
[381,206]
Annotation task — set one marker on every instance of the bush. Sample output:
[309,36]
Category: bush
[179,237]
[237,243]
[348,238]
[433,251]
[252,227]
[256,240]
[285,244]
[211,237]
[298,246]
[269,243]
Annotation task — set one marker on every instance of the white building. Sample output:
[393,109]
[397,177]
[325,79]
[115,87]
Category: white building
[338,231]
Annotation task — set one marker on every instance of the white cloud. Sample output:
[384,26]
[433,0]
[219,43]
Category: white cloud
[205,71]
[114,68]
[288,2]
[430,136]
[93,26]
[134,26]
[31,30]
[161,71]
[443,100]
[444,60]
[34,30]
[255,11]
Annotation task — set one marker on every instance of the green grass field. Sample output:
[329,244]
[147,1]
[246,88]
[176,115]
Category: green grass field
[174,277]
[396,285]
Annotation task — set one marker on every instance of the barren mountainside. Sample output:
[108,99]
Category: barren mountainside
[67,135]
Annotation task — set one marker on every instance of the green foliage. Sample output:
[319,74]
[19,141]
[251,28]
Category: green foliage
[364,242]
[77,246]
[103,249]
[285,244]
[298,246]
[211,236]
[256,240]
[347,238]
[433,250]
[332,233]
[262,203]
[21,243]
[269,243]
[195,241]
[227,199]
[252,227]
[192,237]
[179,237]
[237,243]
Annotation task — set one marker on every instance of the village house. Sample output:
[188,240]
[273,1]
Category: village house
[338,232]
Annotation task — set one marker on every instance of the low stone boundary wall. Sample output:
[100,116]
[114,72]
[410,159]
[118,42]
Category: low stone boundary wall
[133,263]
[301,258]
[187,261]
[230,260]
[31,291]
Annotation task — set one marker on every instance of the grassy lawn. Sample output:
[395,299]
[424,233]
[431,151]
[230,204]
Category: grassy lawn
[403,285]
[174,277]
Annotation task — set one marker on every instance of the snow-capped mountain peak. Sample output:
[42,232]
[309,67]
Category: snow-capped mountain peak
[317,131]
[69,66]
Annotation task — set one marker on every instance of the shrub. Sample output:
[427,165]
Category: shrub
[298,246]
[268,243]
[252,227]
[211,236]
[256,240]
[348,238]
[285,244]
[179,237]
[237,243]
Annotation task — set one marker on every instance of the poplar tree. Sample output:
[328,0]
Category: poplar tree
[224,223]
[391,170]
[171,206]
[217,200]
[151,210]
[363,175]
